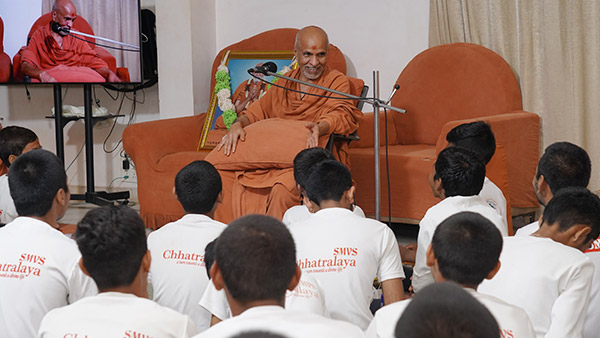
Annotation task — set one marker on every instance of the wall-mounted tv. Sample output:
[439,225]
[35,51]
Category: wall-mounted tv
[70,41]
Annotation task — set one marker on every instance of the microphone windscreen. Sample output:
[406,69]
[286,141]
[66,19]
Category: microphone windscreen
[270,66]
[55,27]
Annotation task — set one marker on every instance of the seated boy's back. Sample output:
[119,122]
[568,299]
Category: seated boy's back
[112,241]
[39,268]
[178,273]
[456,178]
[546,273]
[343,251]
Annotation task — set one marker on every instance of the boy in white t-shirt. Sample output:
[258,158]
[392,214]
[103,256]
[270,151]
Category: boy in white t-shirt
[547,273]
[39,268]
[14,141]
[304,162]
[177,269]
[446,310]
[562,165]
[465,249]
[255,264]
[456,178]
[112,241]
[343,251]
[478,137]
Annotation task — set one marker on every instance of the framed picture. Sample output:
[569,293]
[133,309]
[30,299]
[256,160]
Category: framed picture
[244,89]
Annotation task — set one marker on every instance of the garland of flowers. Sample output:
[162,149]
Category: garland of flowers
[223,92]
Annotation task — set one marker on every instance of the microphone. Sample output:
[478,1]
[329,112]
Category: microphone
[57,28]
[396,87]
[267,67]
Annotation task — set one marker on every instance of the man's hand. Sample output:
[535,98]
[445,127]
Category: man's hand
[45,77]
[313,135]
[230,140]
[113,78]
[408,252]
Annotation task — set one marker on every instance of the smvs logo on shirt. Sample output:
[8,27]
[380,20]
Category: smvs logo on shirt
[341,258]
[27,265]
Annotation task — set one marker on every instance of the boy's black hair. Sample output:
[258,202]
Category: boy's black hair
[328,181]
[462,172]
[467,247]
[257,258]
[197,187]
[564,164]
[306,160]
[13,139]
[209,255]
[112,242]
[476,136]
[35,178]
[446,310]
[571,206]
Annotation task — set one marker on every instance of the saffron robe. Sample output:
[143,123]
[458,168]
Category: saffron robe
[45,53]
[271,191]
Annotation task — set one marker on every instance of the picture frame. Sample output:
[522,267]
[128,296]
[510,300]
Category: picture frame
[238,63]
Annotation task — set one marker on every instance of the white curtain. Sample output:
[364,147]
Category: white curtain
[554,49]
[115,19]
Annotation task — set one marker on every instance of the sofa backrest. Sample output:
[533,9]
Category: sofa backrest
[452,82]
[80,25]
[276,39]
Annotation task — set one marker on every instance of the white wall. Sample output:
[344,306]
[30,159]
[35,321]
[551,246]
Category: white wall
[16,26]
[379,35]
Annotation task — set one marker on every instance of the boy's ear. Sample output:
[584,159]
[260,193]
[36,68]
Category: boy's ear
[82,266]
[216,276]
[175,194]
[295,279]
[146,261]
[312,206]
[12,158]
[579,237]
[349,195]
[429,256]
[494,271]
[220,197]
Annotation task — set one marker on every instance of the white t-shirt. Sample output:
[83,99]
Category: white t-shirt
[528,229]
[494,197]
[289,323]
[591,328]
[39,271]
[308,296]
[434,216]
[345,252]
[549,280]
[8,212]
[299,213]
[513,320]
[116,314]
[178,271]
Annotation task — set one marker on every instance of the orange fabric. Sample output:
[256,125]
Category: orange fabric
[260,152]
[272,191]
[44,52]
[341,115]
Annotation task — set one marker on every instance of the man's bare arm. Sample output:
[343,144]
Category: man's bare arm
[393,291]
[35,72]
[236,132]
[107,74]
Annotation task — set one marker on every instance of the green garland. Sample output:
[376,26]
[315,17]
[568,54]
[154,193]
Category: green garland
[229,117]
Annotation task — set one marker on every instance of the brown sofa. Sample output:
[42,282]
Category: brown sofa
[441,88]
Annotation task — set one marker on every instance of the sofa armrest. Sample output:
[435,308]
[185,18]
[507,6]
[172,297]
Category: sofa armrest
[518,132]
[366,130]
[150,141]
[106,57]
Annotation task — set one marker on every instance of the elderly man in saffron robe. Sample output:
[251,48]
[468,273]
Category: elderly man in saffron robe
[272,191]
[49,54]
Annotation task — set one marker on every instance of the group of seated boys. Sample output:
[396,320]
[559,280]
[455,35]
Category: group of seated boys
[314,274]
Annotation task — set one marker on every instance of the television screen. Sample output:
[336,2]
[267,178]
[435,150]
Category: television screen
[70,41]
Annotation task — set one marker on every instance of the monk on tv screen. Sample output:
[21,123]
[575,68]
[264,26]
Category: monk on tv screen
[57,52]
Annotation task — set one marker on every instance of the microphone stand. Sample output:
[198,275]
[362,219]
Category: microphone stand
[104,39]
[373,101]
